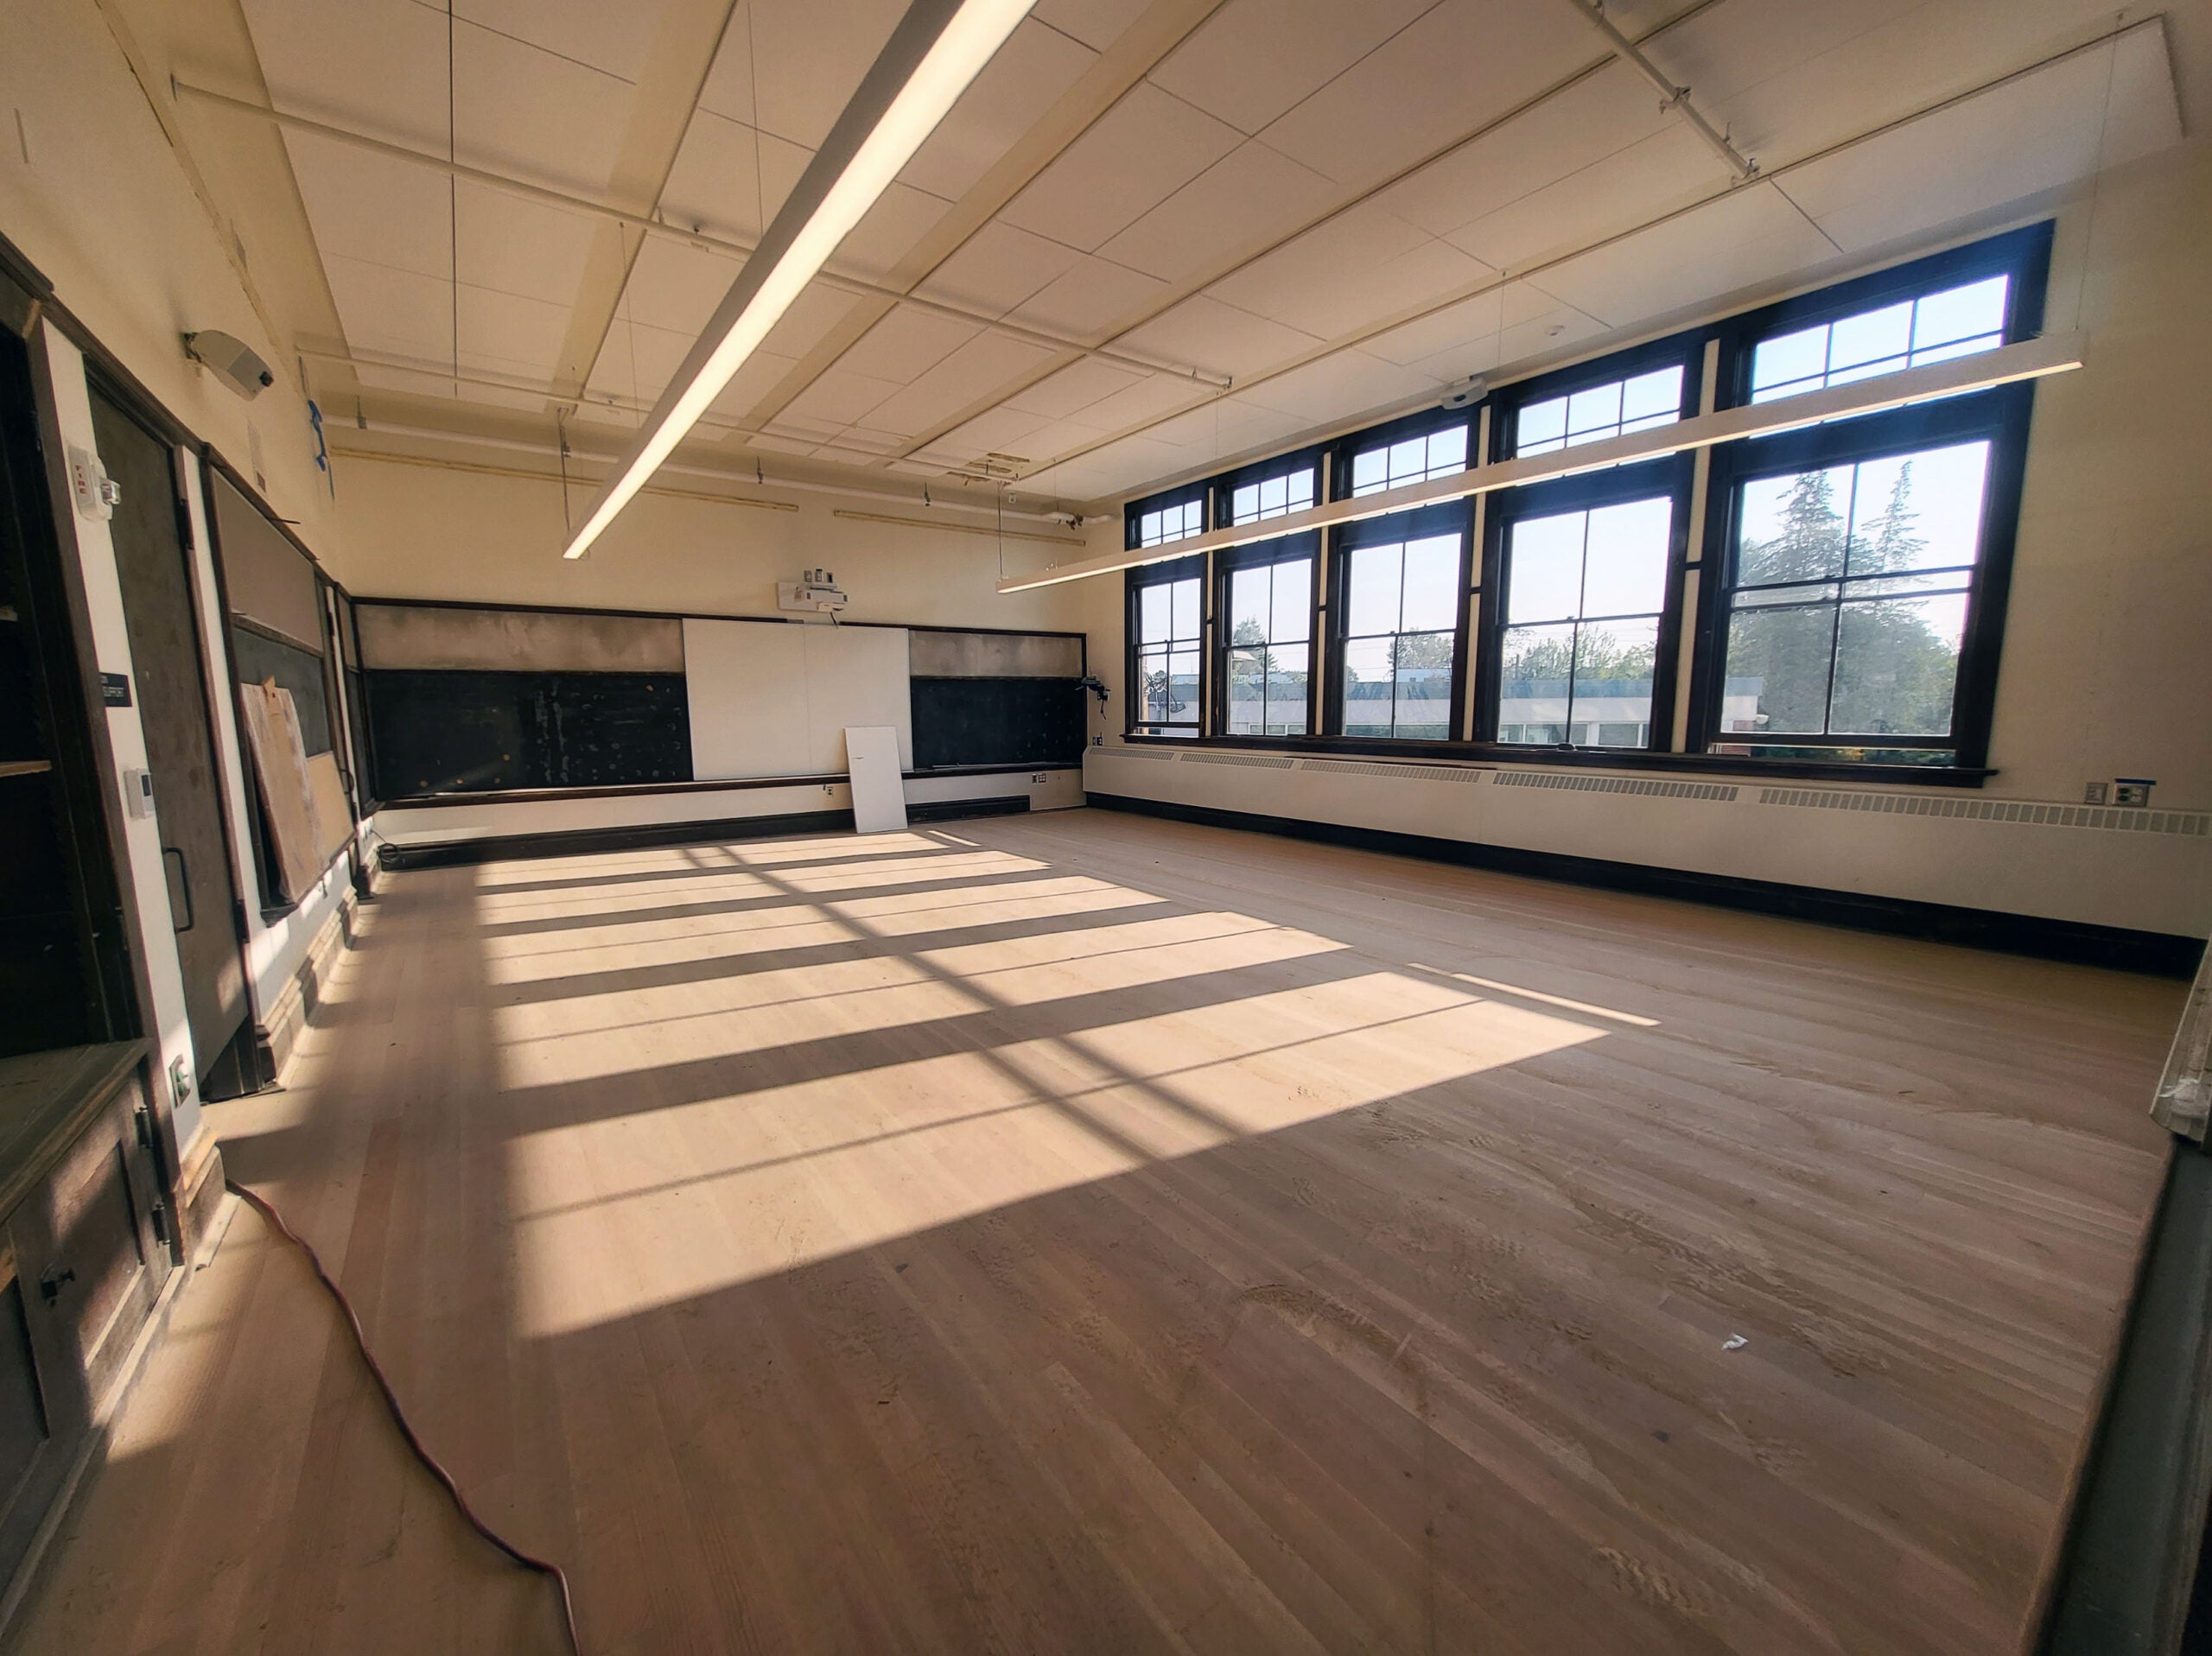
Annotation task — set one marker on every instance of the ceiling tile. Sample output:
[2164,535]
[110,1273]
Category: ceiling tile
[1669,169]
[806,65]
[1357,268]
[1139,153]
[898,219]
[1016,87]
[612,39]
[1599,116]
[999,431]
[907,342]
[1750,236]
[520,247]
[400,312]
[366,206]
[1470,320]
[1250,196]
[839,398]
[637,360]
[1096,23]
[1341,387]
[1457,67]
[2029,134]
[1090,300]
[1073,388]
[811,319]
[1254,58]
[984,365]
[1208,335]
[1147,399]
[997,268]
[711,184]
[676,286]
[379,64]
[518,336]
[761,373]
[522,110]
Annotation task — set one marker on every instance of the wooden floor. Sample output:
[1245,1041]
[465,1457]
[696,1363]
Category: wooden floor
[1081,1233]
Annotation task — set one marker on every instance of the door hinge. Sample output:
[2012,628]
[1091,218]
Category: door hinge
[238,918]
[160,1215]
[143,1119]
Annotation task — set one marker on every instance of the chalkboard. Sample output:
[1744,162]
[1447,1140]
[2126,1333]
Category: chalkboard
[260,656]
[997,721]
[434,732]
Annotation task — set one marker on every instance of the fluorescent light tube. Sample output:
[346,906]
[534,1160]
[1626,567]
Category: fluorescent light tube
[939,48]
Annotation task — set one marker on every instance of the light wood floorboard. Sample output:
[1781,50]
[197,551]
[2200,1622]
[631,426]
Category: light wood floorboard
[1083,1234]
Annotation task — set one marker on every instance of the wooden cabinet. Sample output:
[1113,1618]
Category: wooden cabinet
[83,1255]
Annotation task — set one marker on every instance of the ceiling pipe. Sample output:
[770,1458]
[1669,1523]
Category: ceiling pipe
[925,501]
[860,287]
[1672,97]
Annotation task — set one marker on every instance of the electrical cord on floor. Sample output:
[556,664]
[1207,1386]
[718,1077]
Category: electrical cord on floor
[261,1206]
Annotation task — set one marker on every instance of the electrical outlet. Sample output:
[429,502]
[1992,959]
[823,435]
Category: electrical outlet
[2094,794]
[2131,791]
[179,1084]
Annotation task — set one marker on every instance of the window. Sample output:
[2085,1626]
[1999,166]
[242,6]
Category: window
[1848,597]
[1933,328]
[1582,630]
[1163,524]
[1266,674]
[1400,596]
[1164,635]
[1599,411]
[1272,496]
[1411,459]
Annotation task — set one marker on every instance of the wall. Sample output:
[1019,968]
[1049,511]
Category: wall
[2104,673]
[93,194]
[425,531]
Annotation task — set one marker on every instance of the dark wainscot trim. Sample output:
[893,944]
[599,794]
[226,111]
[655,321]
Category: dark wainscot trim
[2152,952]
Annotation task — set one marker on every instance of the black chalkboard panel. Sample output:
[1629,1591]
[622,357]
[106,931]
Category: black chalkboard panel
[260,656]
[434,732]
[997,721]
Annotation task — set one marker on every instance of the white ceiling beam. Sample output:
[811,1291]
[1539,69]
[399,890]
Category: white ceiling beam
[2030,359]
[1674,98]
[523,189]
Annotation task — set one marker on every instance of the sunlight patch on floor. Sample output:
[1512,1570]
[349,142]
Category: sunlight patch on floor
[656,1207]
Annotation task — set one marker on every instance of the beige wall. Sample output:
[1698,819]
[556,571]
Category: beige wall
[2106,671]
[104,208]
[424,531]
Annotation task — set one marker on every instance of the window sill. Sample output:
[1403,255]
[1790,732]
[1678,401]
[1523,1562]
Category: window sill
[1416,752]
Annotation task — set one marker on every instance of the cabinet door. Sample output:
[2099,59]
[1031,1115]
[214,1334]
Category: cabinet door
[45,1410]
[107,1267]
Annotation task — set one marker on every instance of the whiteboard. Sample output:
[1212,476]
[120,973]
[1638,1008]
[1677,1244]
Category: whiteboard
[773,698]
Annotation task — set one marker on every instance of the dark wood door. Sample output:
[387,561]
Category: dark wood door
[173,708]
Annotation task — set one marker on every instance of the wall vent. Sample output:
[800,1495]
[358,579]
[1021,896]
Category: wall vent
[1399,772]
[1650,786]
[1166,753]
[2032,812]
[1249,761]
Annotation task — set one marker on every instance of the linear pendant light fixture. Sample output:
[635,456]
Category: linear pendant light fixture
[2028,359]
[939,46]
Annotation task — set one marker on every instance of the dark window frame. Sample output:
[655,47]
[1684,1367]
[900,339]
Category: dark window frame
[1220,514]
[1253,555]
[1166,572]
[2023,253]
[1686,348]
[2003,416]
[1454,517]
[1672,475]
[1164,500]
[1423,422]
